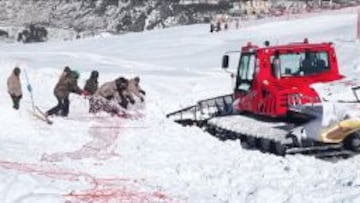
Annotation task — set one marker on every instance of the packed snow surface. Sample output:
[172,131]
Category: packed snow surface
[100,158]
[272,130]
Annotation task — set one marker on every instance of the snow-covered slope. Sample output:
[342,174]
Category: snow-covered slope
[151,159]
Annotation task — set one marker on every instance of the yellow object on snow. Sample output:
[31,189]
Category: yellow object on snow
[338,132]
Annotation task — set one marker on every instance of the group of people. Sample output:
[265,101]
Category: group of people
[223,24]
[216,26]
[113,97]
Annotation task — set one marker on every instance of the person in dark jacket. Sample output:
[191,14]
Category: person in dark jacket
[125,96]
[226,26]
[212,27]
[218,26]
[92,84]
[64,74]
[61,101]
[62,91]
[14,87]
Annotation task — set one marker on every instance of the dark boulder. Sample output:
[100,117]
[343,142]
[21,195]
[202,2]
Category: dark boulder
[33,33]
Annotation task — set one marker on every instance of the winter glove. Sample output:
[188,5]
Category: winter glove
[131,100]
[85,93]
[29,88]
[142,92]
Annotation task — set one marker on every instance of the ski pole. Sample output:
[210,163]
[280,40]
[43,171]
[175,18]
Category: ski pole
[29,88]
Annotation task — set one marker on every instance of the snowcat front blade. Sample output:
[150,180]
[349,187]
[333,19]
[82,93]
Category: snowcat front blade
[204,109]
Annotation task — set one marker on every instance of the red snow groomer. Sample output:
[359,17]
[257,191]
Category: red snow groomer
[287,99]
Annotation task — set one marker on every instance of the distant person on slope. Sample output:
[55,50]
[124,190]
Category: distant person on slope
[226,26]
[92,84]
[14,87]
[218,26]
[110,97]
[66,85]
[237,23]
[212,27]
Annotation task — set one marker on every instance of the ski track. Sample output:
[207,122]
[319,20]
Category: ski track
[149,158]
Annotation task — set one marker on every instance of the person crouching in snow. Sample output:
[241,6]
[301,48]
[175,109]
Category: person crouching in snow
[62,91]
[92,84]
[110,97]
[14,87]
[135,89]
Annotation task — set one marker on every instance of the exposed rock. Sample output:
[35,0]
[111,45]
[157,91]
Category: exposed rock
[115,16]
[4,33]
[105,15]
[34,33]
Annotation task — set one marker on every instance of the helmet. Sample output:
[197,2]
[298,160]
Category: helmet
[94,74]
[17,71]
[75,73]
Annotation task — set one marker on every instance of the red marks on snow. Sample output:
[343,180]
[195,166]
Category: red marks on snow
[160,195]
[102,145]
[85,188]
[51,171]
[113,190]
[104,133]
[101,190]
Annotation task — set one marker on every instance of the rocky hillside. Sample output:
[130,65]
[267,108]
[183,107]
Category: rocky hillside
[105,15]
[115,16]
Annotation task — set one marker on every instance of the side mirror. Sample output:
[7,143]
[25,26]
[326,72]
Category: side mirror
[225,61]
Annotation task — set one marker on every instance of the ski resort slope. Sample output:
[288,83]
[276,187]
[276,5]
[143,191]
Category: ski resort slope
[100,158]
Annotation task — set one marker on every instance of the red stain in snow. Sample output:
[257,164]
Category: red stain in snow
[100,147]
[102,190]
[111,191]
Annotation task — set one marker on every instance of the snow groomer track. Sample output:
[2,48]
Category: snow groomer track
[271,137]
